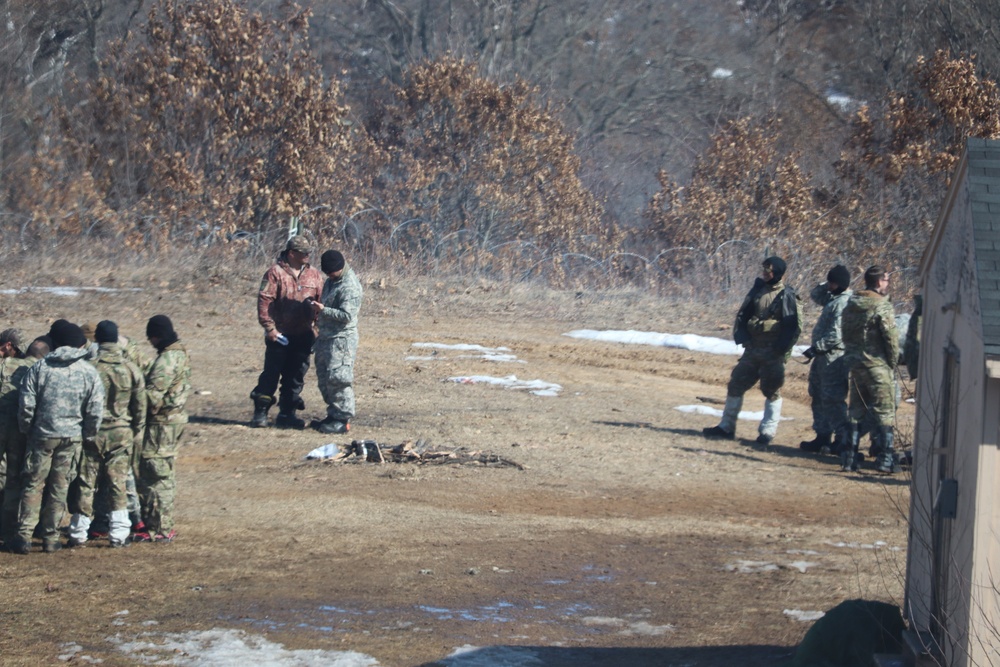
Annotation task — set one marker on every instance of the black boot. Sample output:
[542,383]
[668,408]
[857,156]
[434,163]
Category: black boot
[819,442]
[261,404]
[287,419]
[848,453]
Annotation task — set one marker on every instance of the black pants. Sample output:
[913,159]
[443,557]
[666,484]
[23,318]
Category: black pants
[287,363]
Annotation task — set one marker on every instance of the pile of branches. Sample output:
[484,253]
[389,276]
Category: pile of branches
[419,452]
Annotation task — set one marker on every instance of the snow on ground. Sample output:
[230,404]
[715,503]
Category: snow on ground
[499,354]
[491,656]
[715,412]
[70,291]
[229,648]
[804,616]
[691,342]
[536,387]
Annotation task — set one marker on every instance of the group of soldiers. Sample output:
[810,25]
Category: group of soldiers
[854,354]
[84,414]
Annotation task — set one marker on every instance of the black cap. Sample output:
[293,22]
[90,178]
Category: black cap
[332,261]
[777,266]
[66,334]
[159,326]
[840,275]
[106,331]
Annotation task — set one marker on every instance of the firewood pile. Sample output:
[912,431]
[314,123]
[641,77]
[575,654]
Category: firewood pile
[420,452]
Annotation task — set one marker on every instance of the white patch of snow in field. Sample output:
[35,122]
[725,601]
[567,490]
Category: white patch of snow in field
[801,565]
[498,354]
[492,656]
[803,616]
[843,102]
[691,342]
[721,73]
[536,387]
[803,552]
[235,648]
[751,567]
[74,653]
[324,452]
[70,291]
[857,545]
[714,412]
[628,627]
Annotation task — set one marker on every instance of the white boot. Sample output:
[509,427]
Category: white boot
[119,526]
[769,424]
[726,427]
[78,527]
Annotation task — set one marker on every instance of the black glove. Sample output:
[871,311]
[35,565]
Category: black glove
[809,353]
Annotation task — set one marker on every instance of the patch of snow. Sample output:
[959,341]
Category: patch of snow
[803,552]
[715,412]
[647,629]
[841,101]
[801,565]
[691,342]
[215,647]
[497,354]
[70,291]
[803,616]
[857,545]
[751,567]
[721,73]
[491,656]
[536,387]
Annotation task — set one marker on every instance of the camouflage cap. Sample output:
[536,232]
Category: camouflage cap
[14,337]
[299,244]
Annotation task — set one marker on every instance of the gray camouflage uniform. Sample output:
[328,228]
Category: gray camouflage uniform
[337,344]
[829,371]
[60,405]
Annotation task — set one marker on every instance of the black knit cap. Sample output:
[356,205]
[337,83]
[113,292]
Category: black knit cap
[778,267]
[331,261]
[840,275]
[66,334]
[106,332]
[160,326]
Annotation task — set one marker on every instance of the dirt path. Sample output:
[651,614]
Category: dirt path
[627,538]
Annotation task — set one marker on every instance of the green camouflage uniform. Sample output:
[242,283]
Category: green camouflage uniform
[108,458]
[872,351]
[168,384]
[12,443]
[337,344]
[828,375]
[60,405]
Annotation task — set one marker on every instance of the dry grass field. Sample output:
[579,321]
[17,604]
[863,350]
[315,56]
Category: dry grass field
[625,538]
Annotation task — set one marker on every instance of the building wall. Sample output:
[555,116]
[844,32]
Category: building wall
[949,399]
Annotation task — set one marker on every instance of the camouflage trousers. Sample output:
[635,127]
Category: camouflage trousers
[335,372]
[828,388]
[763,364]
[50,464]
[12,446]
[105,461]
[873,395]
[154,475]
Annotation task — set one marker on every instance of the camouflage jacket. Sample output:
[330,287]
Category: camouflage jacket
[131,351]
[12,371]
[827,334]
[124,390]
[280,300]
[769,317]
[168,385]
[341,302]
[61,396]
[869,330]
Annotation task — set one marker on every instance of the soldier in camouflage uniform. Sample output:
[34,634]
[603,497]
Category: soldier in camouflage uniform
[872,350]
[60,406]
[337,345]
[109,457]
[767,325]
[168,385]
[13,367]
[828,374]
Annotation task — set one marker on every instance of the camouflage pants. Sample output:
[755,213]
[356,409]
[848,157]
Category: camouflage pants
[763,364]
[335,372]
[12,446]
[828,387]
[155,475]
[873,395]
[106,461]
[50,464]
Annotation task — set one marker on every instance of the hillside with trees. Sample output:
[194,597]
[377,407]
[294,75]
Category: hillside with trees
[578,143]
